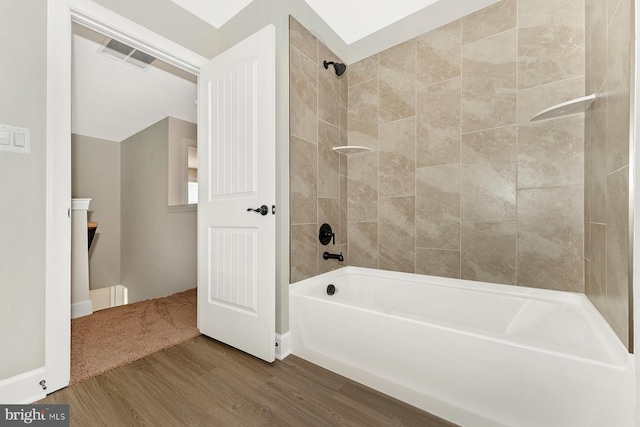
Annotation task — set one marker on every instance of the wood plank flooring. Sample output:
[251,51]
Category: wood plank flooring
[203,382]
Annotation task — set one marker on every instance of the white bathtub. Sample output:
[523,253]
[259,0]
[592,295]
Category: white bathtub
[477,354]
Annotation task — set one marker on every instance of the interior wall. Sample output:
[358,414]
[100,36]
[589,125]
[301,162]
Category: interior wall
[609,26]
[318,182]
[95,174]
[158,252]
[22,194]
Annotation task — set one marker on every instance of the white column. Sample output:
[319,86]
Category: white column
[80,301]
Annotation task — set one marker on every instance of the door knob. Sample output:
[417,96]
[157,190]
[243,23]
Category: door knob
[262,210]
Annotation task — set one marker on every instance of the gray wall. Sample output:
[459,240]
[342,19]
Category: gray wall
[158,246]
[95,174]
[22,192]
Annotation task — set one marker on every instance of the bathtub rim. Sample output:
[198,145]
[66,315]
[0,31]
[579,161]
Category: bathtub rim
[605,333]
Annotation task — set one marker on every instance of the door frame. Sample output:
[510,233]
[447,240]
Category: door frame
[60,15]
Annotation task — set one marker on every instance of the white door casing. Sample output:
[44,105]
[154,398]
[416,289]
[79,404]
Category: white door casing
[237,172]
[60,14]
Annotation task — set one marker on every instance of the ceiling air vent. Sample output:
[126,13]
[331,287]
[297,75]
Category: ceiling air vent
[126,53]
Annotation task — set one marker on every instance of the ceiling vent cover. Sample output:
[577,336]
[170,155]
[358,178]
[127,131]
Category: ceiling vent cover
[123,52]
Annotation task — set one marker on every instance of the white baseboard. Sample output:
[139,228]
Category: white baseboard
[80,309]
[23,389]
[283,346]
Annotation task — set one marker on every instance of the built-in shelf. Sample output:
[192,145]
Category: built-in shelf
[575,106]
[351,149]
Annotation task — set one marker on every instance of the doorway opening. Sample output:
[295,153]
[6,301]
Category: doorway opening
[134,120]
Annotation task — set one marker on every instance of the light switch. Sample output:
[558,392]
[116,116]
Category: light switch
[19,139]
[15,139]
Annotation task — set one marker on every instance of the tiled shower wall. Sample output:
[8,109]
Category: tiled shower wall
[318,182]
[459,183]
[608,73]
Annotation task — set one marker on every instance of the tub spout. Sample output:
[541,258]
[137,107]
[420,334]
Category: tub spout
[339,256]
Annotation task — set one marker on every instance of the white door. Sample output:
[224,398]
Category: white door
[237,172]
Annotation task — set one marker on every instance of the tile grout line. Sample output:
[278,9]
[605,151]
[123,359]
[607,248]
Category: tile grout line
[517,65]
[460,169]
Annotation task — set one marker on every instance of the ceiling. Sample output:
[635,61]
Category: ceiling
[114,100]
[351,20]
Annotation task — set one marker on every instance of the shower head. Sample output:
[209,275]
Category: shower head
[339,67]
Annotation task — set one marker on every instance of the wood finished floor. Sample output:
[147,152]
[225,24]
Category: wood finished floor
[203,382]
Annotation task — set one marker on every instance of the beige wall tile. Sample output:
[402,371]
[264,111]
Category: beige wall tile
[491,20]
[344,126]
[612,5]
[363,188]
[551,153]
[550,233]
[489,82]
[598,170]
[398,82]
[364,134]
[618,94]
[363,244]
[596,288]
[597,49]
[438,207]
[303,164]
[328,161]
[329,213]
[343,83]
[328,88]
[435,262]
[489,252]
[550,41]
[488,187]
[303,97]
[363,114]
[303,261]
[397,158]
[587,203]
[438,54]
[301,39]
[344,165]
[342,235]
[363,101]
[438,124]
[618,252]
[397,234]
[363,71]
